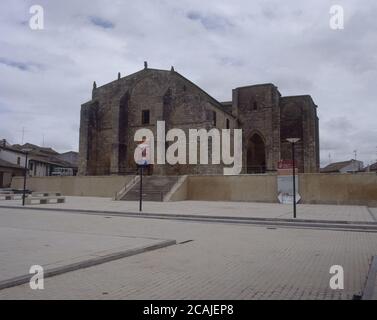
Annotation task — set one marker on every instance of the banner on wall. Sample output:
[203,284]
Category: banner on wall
[285,182]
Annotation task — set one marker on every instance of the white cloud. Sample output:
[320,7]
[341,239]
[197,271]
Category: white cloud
[48,74]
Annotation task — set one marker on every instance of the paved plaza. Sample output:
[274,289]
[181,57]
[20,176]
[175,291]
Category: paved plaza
[210,260]
[215,208]
[51,249]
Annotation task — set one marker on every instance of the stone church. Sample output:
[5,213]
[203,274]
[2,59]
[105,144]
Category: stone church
[109,120]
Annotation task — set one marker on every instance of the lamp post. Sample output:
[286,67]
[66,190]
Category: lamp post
[141,188]
[25,174]
[293,141]
[142,162]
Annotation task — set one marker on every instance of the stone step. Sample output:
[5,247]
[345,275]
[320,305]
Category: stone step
[154,188]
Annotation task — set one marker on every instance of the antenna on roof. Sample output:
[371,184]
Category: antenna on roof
[23,135]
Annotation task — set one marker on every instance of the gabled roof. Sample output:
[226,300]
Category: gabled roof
[372,167]
[39,154]
[11,148]
[337,166]
[215,102]
[35,148]
[69,152]
[6,164]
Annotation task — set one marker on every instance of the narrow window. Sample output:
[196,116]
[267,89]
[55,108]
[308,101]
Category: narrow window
[214,118]
[227,124]
[255,106]
[18,160]
[145,117]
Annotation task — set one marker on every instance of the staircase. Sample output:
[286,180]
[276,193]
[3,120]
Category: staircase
[155,188]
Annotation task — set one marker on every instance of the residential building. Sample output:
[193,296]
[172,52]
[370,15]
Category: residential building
[41,161]
[344,167]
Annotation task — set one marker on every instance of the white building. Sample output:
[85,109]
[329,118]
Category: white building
[41,161]
[13,156]
[344,167]
[12,163]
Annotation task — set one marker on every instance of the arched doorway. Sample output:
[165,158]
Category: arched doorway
[256,155]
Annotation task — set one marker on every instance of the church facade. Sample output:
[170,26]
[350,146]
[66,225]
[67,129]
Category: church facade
[118,109]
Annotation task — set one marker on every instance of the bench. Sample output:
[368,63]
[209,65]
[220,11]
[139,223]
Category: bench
[6,191]
[44,200]
[10,196]
[45,194]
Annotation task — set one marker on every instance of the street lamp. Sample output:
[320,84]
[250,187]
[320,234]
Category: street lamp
[142,162]
[141,167]
[292,142]
[25,173]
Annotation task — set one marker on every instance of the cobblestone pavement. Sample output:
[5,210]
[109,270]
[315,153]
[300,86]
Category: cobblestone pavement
[223,261]
[240,209]
[21,246]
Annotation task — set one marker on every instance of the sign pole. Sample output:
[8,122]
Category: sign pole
[293,141]
[141,189]
[25,173]
[294,180]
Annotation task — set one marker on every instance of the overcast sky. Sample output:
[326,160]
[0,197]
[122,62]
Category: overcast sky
[47,74]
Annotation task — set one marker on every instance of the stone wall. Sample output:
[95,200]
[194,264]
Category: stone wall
[345,189]
[113,115]
[299,120]
[352,189]
[257,108]
[254,188]
[96,186]
[6,175]
[110,120]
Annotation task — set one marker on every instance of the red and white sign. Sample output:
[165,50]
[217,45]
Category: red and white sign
[285,168]
[285,164]
[142,153]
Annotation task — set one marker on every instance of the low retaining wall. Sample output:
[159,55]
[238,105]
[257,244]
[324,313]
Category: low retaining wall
[350,189]
[95,186]
[259,188]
